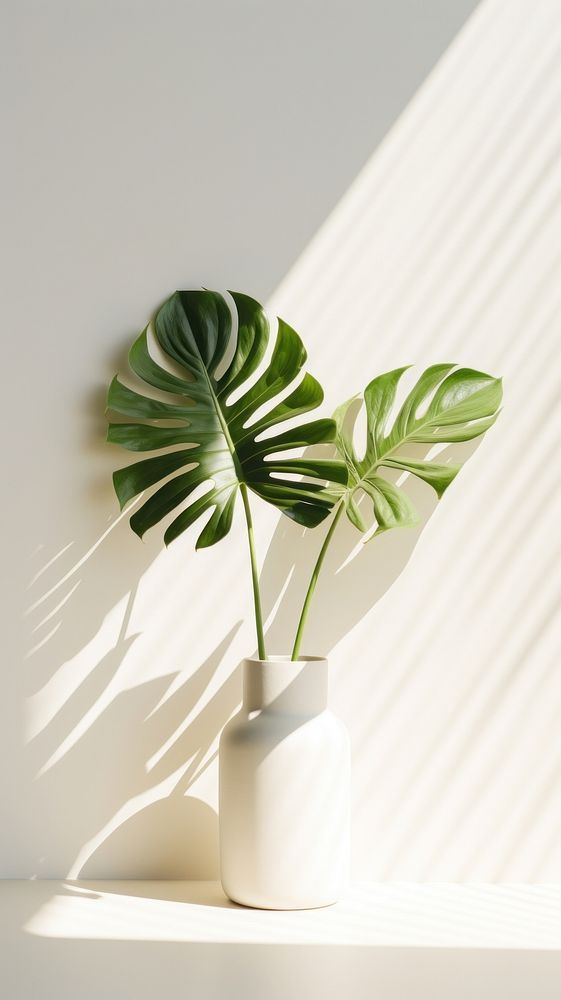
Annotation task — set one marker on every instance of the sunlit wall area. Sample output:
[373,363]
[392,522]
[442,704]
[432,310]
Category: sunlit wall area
[395,197]
[447,248]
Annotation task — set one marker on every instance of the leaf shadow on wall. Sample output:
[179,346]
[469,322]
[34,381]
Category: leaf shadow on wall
[110,761]
[113,764]
[125,816]
[94,800]
[355,574]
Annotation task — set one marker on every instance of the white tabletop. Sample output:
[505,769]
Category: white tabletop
[167,939]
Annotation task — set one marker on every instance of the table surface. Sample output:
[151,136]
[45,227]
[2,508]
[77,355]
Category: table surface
[390,940]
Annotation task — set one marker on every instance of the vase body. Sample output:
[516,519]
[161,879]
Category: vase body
[284,765]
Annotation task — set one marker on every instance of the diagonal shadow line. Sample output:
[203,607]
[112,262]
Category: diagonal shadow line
[192,733]
[423,258]
[47,743]
[184,756]
[549,788]
[427,625]
[291,554]
[423,263]
[389,702]
[476,728]
[477,223]
[516,725]
[395,155]
[285,534]
[386,707]
[49,564]
[532,190]
[535,231]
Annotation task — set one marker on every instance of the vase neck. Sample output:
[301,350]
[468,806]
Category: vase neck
[286,686]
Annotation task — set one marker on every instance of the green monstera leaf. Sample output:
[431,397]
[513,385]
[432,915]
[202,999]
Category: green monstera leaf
[226,444]
[446,404]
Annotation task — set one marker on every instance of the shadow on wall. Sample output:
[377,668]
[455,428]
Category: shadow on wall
[91,743]
[110,761]
[93,760]
[355,574]
[117,764]
[114,756]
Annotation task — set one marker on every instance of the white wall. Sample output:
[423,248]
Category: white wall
[304,153]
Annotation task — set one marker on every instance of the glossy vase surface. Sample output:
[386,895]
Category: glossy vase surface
[284,765]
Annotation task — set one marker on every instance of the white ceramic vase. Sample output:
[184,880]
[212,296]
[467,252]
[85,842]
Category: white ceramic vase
[284,763]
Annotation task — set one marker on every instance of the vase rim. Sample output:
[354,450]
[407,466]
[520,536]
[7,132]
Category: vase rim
[285,658]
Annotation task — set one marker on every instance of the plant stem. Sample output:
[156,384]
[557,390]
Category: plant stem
[313,582]
[254,575]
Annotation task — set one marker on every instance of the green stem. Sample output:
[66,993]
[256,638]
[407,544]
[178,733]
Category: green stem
[254,575]
[313,582]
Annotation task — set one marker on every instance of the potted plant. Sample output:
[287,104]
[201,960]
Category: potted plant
[284,759]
